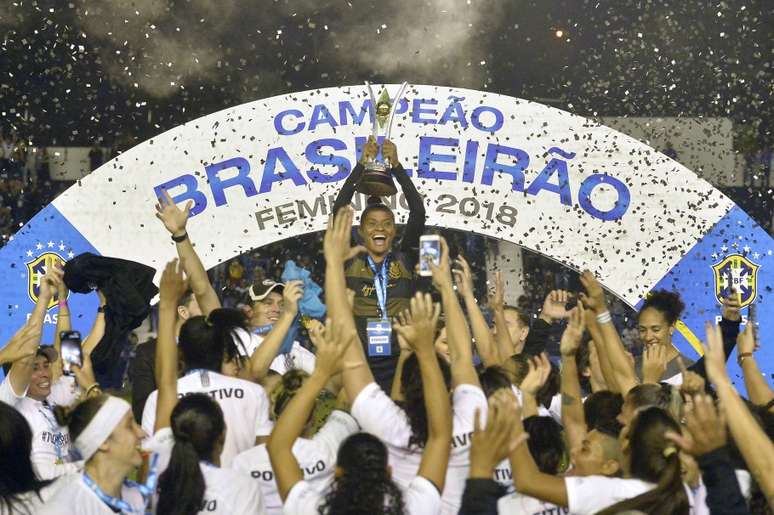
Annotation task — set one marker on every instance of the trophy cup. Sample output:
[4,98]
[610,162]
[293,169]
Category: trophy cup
[376,179]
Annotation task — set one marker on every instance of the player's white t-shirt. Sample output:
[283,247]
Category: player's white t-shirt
[245,408]
[590,494]
[31,502]
[316,457]
[379,415]
[226,491]
[421,497]
[298,358]
[50,441]
[518,504]
[74,496]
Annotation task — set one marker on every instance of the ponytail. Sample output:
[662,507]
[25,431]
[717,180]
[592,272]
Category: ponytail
[364,482]
[654,459]
[206,341]
[78,416]
[198,426]
[181,486]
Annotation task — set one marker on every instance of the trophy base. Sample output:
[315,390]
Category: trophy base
[376,181]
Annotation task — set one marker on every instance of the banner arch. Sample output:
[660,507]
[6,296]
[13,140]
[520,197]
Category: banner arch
[553,182]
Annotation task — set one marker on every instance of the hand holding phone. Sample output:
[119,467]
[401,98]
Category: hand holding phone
[429,250]
[72,353]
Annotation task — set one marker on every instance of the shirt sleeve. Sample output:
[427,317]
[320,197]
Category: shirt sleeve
[335,430]
[7,395]
[248,500]
[64,392]
[46,469]
[263,424]
[379,415]
[302,499]
[465,401]
[590,494]
[480,497]
[348,189]
[723,492]
[422,498]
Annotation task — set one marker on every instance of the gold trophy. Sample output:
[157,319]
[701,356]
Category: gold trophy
[376,179]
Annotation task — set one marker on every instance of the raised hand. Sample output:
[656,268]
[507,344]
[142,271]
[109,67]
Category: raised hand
[497,300]
[732,307]
[173,218]
[693,383]
[594,296]
[390,153]
[331,342]
[370,150]
[705,428]
[418,324]
[654,363]
[554,306]
[492,444]
[463,277]
[336,244]
[573,333]
[442,273]
[291,294]
[745,341]
[23,344]
[173,284]
[539,370]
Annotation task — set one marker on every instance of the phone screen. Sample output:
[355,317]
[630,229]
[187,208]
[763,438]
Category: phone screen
[429,248]
[71,352]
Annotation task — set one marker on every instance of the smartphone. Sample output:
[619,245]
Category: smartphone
[429,249]
[70,343]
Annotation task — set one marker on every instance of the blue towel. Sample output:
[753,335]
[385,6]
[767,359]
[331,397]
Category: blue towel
[310,304]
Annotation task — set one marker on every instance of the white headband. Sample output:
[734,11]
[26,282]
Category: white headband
[101,426]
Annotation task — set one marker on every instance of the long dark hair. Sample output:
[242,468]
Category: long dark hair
[364,485]
[17,476]
[655,459]
[197,425]
[414,397]
[546,444]
[206,341]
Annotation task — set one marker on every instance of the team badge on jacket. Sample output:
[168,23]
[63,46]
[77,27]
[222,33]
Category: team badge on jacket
[738,272]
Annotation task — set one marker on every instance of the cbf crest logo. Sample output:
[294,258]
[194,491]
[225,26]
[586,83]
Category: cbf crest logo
[738,272]
[36,269]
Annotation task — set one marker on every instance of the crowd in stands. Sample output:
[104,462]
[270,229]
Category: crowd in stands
[405,397]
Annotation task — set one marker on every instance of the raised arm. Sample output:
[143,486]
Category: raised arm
[485,342]
[418,331]
[336,245]
[331,344]
[261,359]
[729,327]
[505,346]
[63,323]
[573,419]
[755,446]
[539,370]
[759,391]
[554,308]
[21,370]
[460,352]
[415,225]
[175,221]
[594,299]
[97,328]
[347,191]
[603,360]
[172,287]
